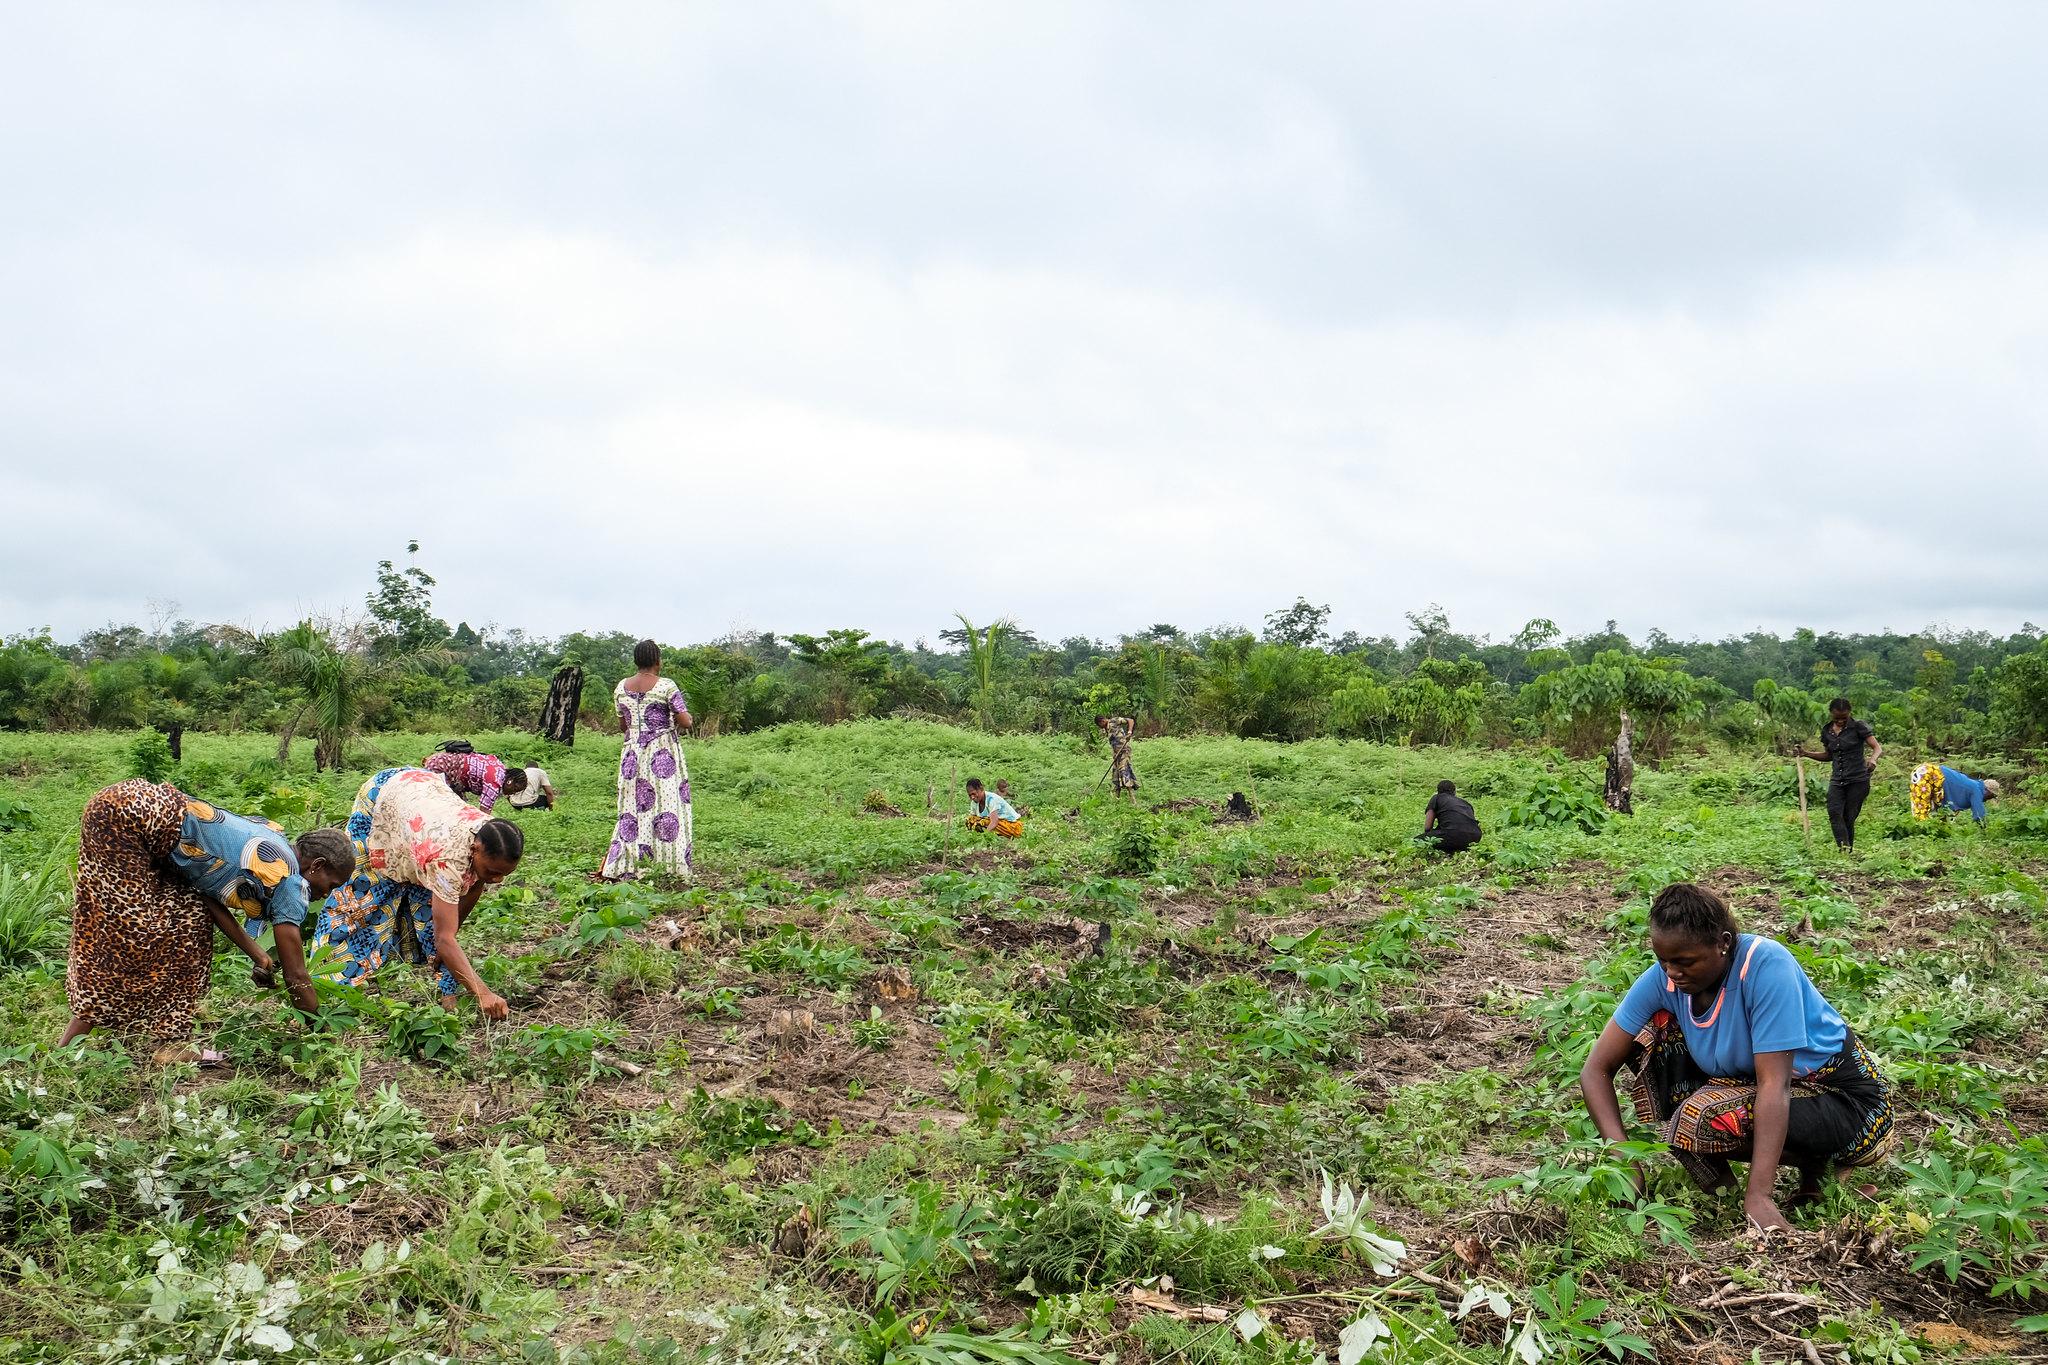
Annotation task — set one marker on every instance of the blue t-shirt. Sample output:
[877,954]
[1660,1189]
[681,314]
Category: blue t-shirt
[247,865]
[1959,791]
[1765,1004]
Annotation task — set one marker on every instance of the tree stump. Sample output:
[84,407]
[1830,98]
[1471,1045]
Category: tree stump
[565,695]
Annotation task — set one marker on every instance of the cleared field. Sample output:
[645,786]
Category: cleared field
[862,1093]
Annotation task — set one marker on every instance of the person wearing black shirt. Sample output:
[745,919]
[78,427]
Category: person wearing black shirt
[1844,741]
[1448,821]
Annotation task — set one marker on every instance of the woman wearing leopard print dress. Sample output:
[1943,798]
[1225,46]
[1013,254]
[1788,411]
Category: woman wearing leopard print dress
[157,872]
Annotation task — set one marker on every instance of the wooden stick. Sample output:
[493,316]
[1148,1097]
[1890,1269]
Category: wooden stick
[1799,761]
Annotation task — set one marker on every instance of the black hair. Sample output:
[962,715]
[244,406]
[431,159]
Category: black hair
[1102,720]
[974,782]
[501,839]
[1699,914]
[515,779]
[1446,787]
[646,654]
[1840,704]
[329,847]
[455,746]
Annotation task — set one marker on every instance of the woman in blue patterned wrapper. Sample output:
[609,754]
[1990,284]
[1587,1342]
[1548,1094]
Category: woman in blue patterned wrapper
[1737,1058]
[158,871]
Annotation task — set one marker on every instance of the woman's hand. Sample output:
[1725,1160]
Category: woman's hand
[1763,1213]
[683,720]
[492,1004]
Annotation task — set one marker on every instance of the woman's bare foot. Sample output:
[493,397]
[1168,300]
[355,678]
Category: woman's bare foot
[175,1054]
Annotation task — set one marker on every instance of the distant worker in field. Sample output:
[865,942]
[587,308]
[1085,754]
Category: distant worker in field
[1737,1057]
[1449,824]
[1123,779]
[1936,786]
[538,793]
[469,773]
[158,872]
[1621,770]
[1003,790]
[1852,748]
[989,811]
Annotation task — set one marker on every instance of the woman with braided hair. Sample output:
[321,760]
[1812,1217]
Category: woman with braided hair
[158,872]
[1737,1058]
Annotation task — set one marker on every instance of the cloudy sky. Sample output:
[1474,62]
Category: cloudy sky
[673,318]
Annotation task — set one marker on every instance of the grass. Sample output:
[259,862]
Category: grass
[862,1093]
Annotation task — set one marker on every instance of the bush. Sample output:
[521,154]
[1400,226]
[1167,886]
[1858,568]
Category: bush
[1552,803]
[1136,850]
[33,910]
[149,757]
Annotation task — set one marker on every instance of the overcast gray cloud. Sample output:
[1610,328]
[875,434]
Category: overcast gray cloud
[673,318]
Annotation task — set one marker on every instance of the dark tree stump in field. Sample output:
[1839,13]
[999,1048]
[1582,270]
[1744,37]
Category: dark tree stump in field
[174,735]
[1239,809]
[565,695]
[1621,770]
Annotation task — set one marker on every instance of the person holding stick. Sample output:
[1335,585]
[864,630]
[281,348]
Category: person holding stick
[1123,779]
[1844,741]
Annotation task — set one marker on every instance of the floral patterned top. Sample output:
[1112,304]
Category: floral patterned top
[478,775]
[421,832]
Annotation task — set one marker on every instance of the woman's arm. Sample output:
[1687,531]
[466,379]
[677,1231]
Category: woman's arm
[1596,1080]
[1773,1115]
[231,925]
[291,956]
[1876,752]
[447,947]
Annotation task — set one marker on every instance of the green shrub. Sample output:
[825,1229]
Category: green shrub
[34,905]
[1551,803]
[1136,849]
[149,757]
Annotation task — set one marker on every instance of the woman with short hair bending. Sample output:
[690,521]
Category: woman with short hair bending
[158,871]
[654,831]
[423,858]
[1737,1057]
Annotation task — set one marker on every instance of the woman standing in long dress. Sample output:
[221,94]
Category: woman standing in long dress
[653,832]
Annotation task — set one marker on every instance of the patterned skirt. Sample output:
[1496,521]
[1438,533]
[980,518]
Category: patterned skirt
[372,919]
[141,938]
[1009,829]
[1926,790]
[1121,776]
[1840,1116]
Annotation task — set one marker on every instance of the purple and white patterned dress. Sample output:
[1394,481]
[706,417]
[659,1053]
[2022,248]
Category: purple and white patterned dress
[653,833]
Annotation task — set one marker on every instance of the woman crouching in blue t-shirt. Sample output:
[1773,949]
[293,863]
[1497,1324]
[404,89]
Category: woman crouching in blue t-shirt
[1736,1056]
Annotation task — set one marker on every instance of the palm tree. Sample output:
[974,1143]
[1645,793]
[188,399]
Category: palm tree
[984,653]
[335,680]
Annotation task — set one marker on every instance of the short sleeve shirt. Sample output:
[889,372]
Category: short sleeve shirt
[1767,1003]
[420,833]
[1846,749]
[247,865]
[995,808]
[1454,814]
[478,775]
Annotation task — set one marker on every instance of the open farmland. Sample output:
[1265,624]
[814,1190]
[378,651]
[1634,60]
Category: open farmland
[862,1093]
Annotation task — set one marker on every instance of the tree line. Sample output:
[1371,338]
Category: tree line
[399,666]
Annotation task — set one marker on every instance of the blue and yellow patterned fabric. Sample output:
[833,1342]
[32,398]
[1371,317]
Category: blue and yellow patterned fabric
[247,865]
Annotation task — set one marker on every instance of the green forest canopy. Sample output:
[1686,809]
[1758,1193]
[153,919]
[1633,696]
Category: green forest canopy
[402,667]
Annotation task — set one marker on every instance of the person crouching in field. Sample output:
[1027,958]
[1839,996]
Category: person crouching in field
[1936,786]
[470,773]
[423,858]
[990,811]
[535,793]
[1449,824]
[157,872]
[1737,1058]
